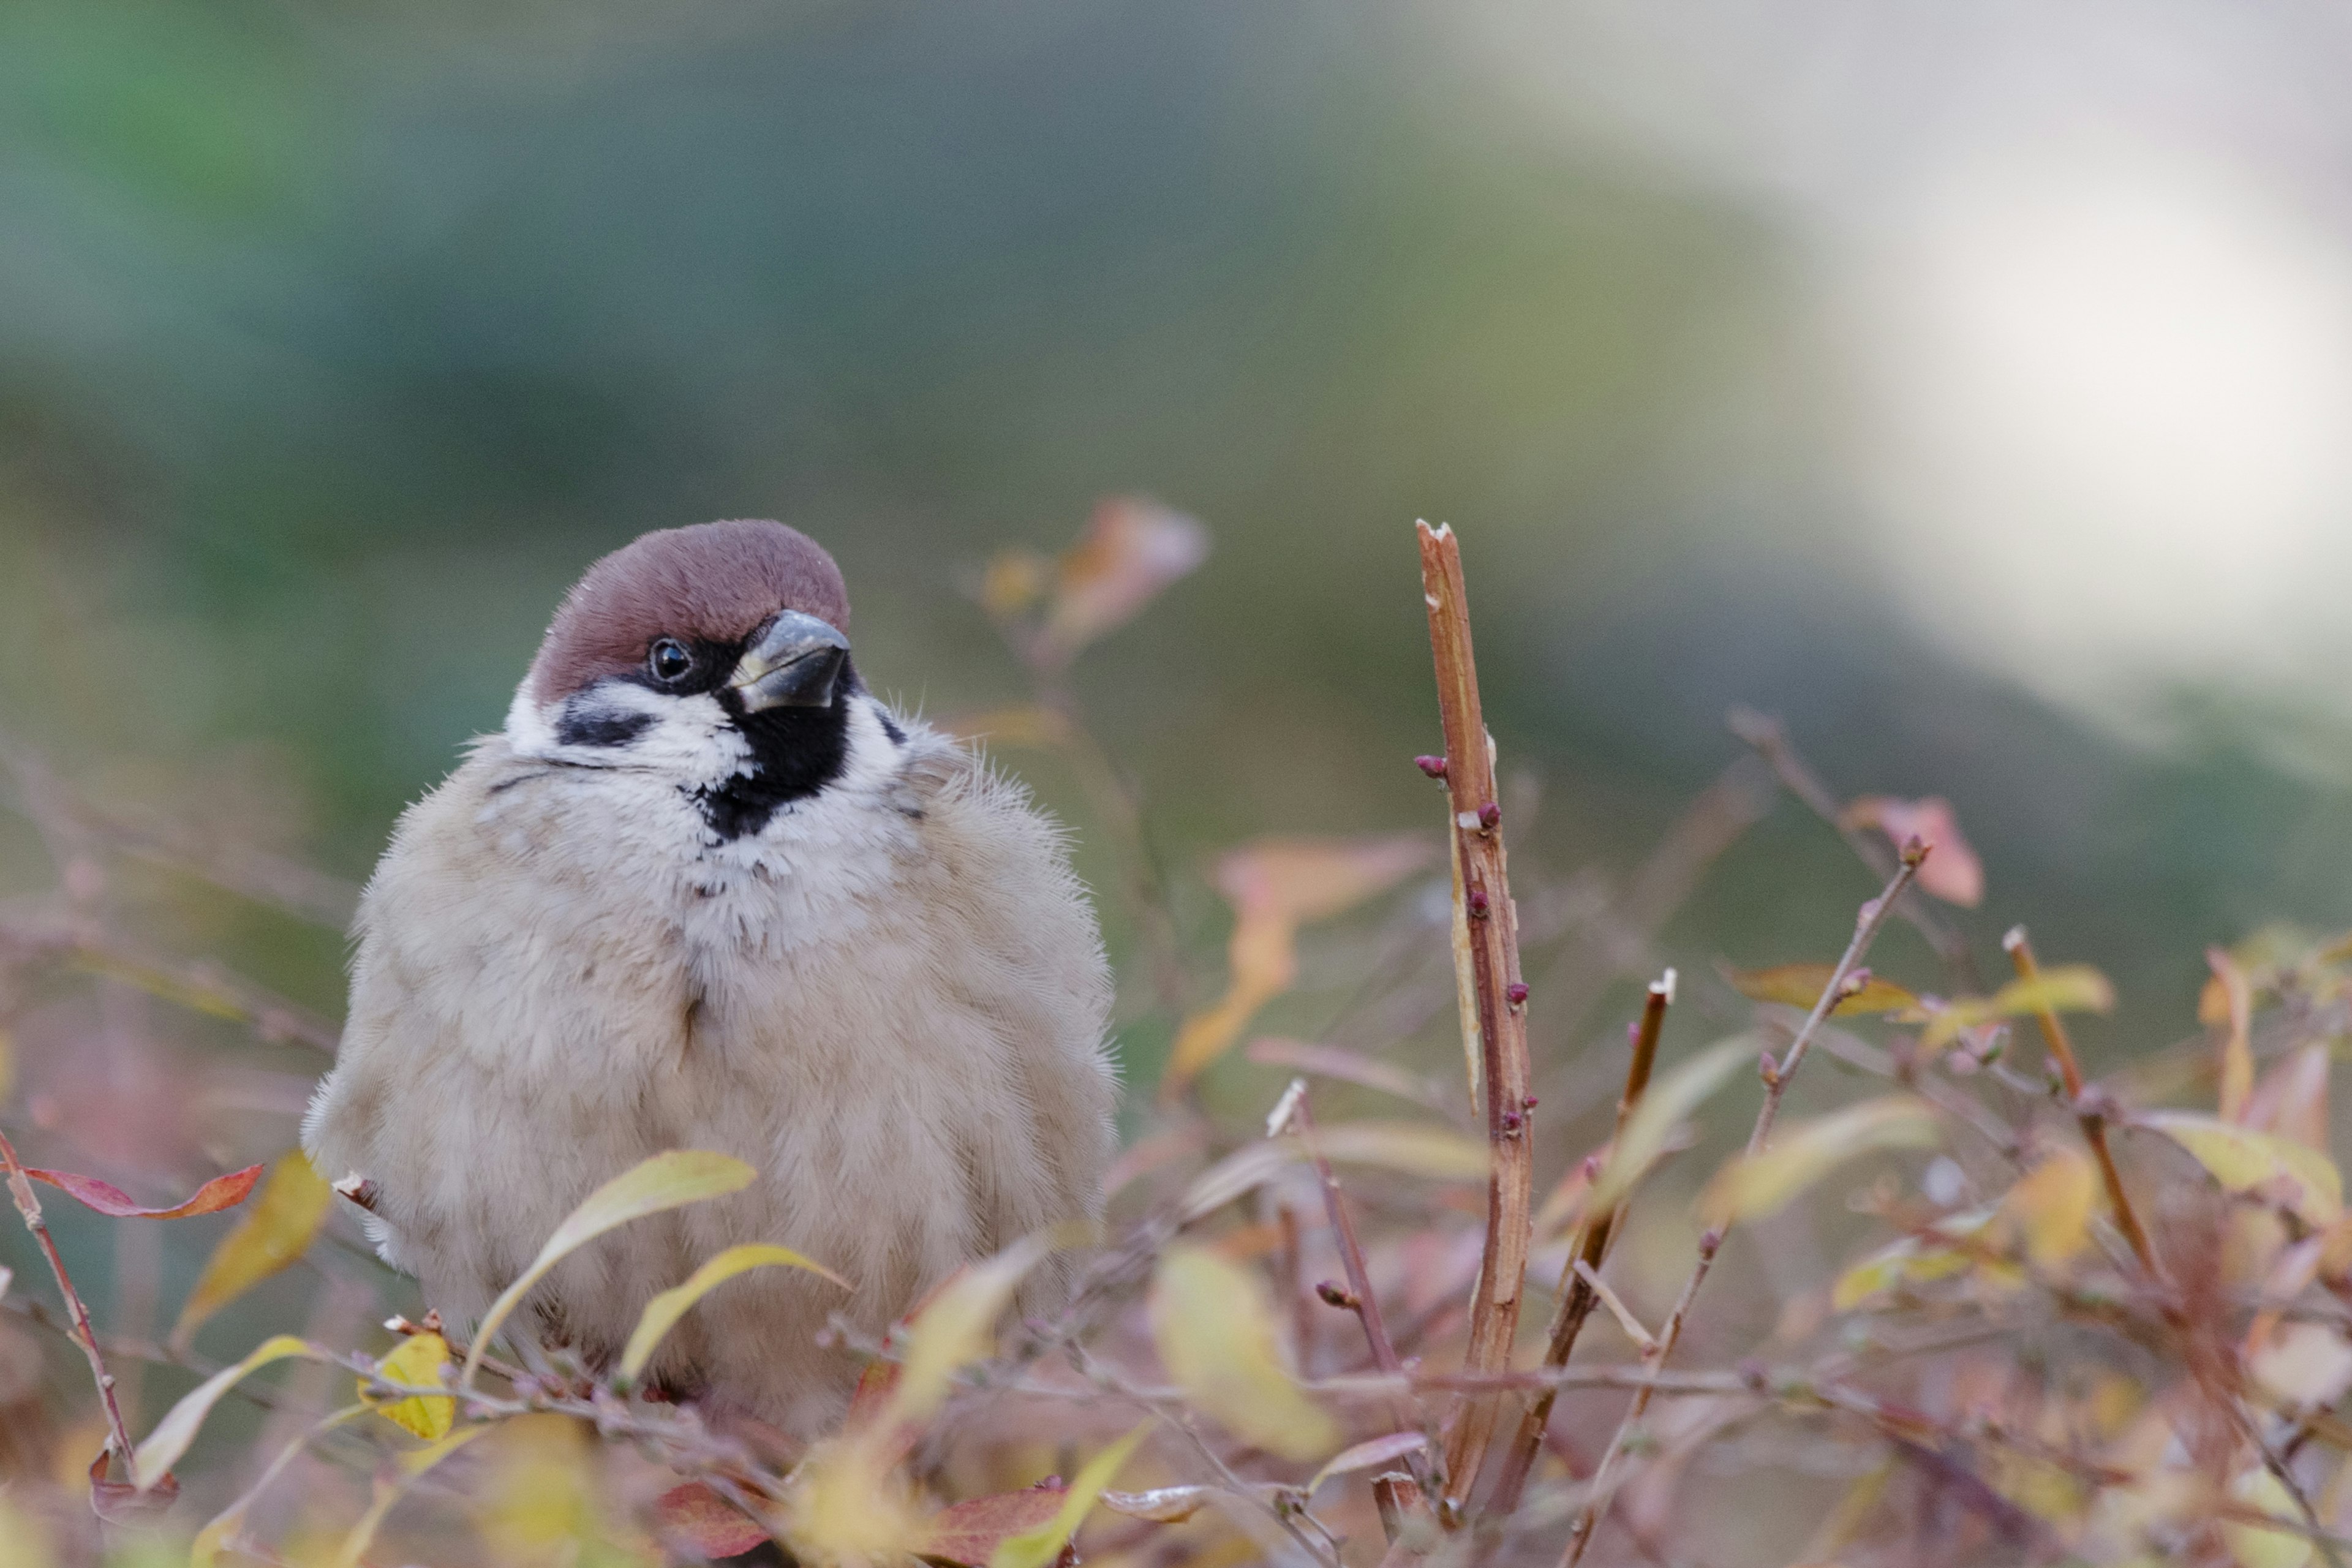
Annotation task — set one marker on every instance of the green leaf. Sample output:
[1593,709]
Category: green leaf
[662,1313]
[172,1434]
[1669,1100]
[667,1181]
[1036,1548]
[1753,1186]
[1801,984]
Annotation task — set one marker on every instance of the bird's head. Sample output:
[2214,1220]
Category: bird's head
[718,655]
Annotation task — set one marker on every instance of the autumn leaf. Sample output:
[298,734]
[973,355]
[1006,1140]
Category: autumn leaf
[275,1231]
[2242,1159]
[2050,1208]
[418,1362]
[968,1533]
[2067,988]
[1214,1330]
[703,1519]
[213,1540]
[1673,1096]
[667,1181]
[1161,1505]
[2292,1097]
[1275,886]
[2237,1063]
[162,1450]
[1801,984]
[1753,1186]
[220,1192]
[662,1313]
[1038,1547]
[1131,551]
[1906,1261]
[1365,1455]
[1411,1148]
[2260,1546]
[958,1326]
[1953,873]
[408,1470]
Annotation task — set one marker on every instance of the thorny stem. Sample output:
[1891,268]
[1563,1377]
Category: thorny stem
[1867,929]
[2095,1126]
[1491,922]
[1577,1295]
[1366,1303]
[20,1189]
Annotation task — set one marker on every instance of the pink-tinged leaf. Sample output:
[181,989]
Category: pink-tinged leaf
[220,1192]
[1953,873]
[1132,549]
[119,1502]
[966,1533]
[699,1517]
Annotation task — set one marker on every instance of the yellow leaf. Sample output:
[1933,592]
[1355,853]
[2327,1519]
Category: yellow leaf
[388,1492]
[2241,1159]
[1036,1548]
[2050,1208]
[205,1552]
[24,1538]
[2068,988]
[1669,1100]
[1015,579]
[1903,1262]
[416,1362]
[1215,1328]
[2257,1546]
[662,1313]
[958,1326]
[2237,1065]
[1751,1187]
[667,1181]
[539,1504]
[1801,985]
[275,1230]
[172,1434]
[1275,886]
[1414,1148]
[848,1508]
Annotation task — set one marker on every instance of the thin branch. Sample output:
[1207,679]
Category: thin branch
[1577,1295]
[1777,1080]
[2094,1125]
[1499,998]
[20,1189]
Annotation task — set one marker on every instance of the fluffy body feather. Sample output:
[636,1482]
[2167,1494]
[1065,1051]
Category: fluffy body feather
[889,999]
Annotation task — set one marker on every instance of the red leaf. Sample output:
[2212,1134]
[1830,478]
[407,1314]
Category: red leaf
[708,1522]
[1952,872]
[967,1533]
[220,1192]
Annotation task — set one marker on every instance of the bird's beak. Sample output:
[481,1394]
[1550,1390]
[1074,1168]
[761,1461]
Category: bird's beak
[794,665]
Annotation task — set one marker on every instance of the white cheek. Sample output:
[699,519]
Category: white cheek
[689,738]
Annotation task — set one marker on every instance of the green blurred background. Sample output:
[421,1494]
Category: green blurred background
[336,339]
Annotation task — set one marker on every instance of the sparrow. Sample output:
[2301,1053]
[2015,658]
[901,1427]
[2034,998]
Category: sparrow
[705,890]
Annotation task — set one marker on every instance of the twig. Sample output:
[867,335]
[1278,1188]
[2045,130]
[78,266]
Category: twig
[20,1189]
[2094,1125]
[1500,999]
[1776,1085]
[1576,1294]
[1764,733]
[1362,1301]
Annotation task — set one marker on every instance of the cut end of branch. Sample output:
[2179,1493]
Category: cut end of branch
[2014,940]
[1662,987]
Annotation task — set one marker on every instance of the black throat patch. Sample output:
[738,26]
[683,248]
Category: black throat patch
[795,753]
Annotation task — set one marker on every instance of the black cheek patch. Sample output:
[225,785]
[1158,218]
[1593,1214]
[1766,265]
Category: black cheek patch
[600,727]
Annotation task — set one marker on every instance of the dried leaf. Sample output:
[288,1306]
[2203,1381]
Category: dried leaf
[2304,1365]
[699,1517]
[1413,1148]
[1275,886]
[214,1538]
[2050,1208]
[1036,1548]
[662,1313]
[1753,1186]
[275,1231]
[2255,1545]
[1908,1261]
[2242,1159]
[172,1434]
[122,1503]
[2067,988]
[968,1533]
[1364,1456]
[411,1468]
[1953,873]
[667,1181]
[220,1192]
[1801,984]
[418,1362]
[2237,1063]
[1161,1505]
[1131,551]
[958,1325]
[1215,1328]
[1668,1100]
[2292,1097]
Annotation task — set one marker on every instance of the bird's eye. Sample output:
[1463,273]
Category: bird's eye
[669,660]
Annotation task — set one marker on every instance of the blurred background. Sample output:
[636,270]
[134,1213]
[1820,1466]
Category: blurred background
[1969,385]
